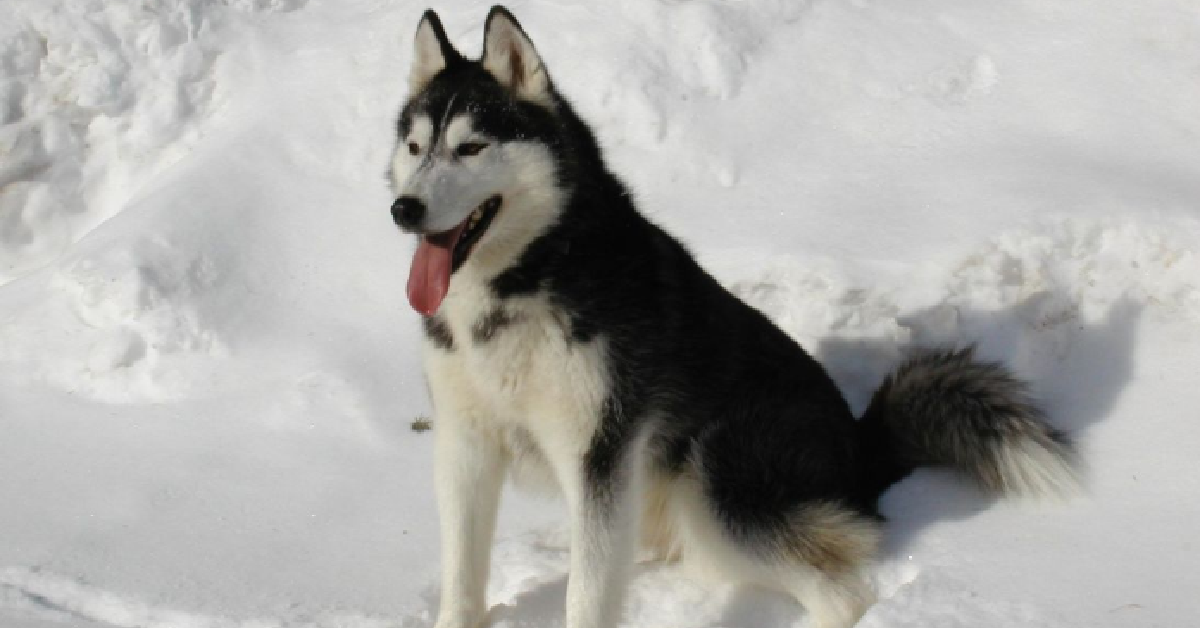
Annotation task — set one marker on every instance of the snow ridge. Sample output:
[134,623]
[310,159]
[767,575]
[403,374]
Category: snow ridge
[1026,295]
[36,594]
[96,97]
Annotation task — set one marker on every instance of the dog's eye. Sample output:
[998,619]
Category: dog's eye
[413,148]
[470,149]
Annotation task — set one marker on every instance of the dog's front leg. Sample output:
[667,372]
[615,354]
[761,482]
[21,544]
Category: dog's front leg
[604,521]
[469,473]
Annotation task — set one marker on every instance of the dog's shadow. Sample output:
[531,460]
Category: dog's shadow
[541,606]
[1076,370]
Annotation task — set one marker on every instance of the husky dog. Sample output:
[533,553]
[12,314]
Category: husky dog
[569,338]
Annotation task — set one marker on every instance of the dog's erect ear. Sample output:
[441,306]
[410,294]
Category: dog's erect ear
[432,52]
[509,56]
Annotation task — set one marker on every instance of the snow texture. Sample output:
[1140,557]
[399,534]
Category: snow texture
[208,369]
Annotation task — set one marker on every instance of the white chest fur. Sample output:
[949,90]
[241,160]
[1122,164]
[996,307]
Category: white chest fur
[514,369]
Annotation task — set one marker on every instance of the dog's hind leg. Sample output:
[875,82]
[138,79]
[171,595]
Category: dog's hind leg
[831,600]
[820,553]
[822,548]
[777,496]
[816,554]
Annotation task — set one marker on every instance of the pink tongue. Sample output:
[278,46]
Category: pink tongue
[429,276]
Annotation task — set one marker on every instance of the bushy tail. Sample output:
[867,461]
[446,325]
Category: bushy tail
[945,408]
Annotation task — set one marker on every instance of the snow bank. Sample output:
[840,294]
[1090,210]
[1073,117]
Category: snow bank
[96,98]
[1026,295]
[121,316]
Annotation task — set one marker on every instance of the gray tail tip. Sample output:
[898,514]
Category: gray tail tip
[1044,467]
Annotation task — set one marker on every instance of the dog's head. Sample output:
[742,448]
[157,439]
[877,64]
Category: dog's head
[474,170]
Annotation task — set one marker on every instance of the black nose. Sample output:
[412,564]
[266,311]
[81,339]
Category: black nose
[408,212]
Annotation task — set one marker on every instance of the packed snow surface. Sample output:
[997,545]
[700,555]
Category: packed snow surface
[208,370]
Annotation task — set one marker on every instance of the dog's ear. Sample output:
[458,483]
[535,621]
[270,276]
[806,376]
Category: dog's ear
[432,52]
[510,57]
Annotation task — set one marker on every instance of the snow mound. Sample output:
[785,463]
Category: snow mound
[1085,267]
[1026,296]
[126,322]
[95,98]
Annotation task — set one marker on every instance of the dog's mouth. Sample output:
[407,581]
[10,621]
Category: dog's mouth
[473,228]
[438,255]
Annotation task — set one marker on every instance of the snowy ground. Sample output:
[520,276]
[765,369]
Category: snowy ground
[208,368]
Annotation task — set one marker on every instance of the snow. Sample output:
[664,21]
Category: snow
[208,369]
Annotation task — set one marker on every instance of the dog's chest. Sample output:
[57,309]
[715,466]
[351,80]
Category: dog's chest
[516,360]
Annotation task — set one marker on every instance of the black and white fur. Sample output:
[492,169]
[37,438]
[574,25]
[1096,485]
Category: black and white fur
[580,344]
